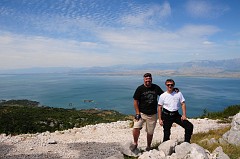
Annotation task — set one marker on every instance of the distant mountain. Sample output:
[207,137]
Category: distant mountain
[226,65]
[36,70]
[218,68]
[200,67]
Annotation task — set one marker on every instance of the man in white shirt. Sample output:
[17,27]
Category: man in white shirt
[168,104]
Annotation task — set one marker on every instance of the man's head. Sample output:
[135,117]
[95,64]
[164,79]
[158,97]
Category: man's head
[170,85]
[147,78]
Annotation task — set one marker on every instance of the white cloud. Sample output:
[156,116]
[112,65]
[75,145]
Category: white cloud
[148,15]
[198,30]
[139,40]
[135,35]
[208,43]
[205,9]
[115,46]
[21,51]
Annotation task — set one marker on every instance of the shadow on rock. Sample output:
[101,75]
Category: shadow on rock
[32,156]
[5,149]
[96,150]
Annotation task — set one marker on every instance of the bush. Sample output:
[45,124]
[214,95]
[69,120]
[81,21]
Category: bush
[27,117]
[224,115]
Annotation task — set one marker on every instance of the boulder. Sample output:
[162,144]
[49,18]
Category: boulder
[126,150]
[190,151]
[184,151]
[219,154]
[50,141]
[153,154]
[233,135]
[168,147]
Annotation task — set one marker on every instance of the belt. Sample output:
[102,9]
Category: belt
[167,112]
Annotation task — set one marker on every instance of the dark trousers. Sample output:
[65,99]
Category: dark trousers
[168,120]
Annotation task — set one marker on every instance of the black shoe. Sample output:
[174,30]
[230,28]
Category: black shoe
[132,147]
[148,148]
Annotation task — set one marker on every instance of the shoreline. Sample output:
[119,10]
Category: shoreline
[173,73]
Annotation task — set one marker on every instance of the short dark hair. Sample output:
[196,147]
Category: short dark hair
[170,80]
[147,75]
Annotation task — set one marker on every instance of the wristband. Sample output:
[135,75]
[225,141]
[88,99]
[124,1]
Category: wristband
[138,116]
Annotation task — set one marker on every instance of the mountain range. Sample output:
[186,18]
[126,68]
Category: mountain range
[216,68]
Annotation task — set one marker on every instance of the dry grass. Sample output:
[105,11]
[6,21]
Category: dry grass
[200,139]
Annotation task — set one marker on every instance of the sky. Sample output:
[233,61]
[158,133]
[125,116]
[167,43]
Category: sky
[86,33]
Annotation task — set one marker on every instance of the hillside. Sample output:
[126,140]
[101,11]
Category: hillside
[25,116]
[89,140]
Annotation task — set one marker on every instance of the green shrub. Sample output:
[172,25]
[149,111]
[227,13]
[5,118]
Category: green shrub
[18,118]
[224,115]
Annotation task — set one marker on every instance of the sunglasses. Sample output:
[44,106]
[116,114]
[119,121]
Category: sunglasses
[170,85]
[147,75]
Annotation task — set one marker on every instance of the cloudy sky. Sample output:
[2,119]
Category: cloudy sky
[83,33]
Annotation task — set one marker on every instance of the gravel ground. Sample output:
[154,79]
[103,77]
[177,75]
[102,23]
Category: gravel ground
[90,142]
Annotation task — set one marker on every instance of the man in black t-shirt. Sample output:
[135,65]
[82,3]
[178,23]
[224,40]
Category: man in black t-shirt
[145,104]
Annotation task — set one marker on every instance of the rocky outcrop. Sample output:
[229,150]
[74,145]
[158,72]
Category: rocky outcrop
[233,135]
[176,150]
[182,150]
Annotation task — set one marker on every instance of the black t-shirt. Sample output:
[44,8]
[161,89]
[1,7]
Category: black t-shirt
[147,98]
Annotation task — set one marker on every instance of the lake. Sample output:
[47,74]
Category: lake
[115,92]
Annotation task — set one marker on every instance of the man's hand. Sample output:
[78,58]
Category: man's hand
[184,117]
[161,122]
[138,117]
[176,90]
